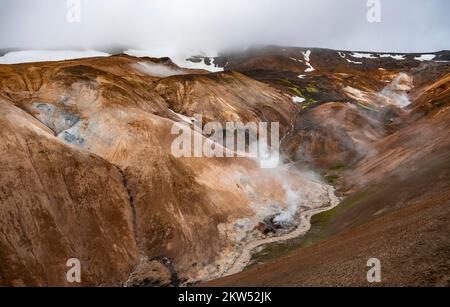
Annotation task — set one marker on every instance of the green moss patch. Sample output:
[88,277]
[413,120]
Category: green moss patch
[332,179]
[439,104]
[297,91]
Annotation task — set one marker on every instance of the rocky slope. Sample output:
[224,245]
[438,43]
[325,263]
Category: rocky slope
[391,162]
[121,115]
[88,170]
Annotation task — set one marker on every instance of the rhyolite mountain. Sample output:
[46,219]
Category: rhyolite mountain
[87,170]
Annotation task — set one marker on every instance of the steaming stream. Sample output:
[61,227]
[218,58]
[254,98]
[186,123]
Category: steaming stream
[395,93]
[298,214]
[304,226]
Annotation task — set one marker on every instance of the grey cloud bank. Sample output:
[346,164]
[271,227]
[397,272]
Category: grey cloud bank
[214,25]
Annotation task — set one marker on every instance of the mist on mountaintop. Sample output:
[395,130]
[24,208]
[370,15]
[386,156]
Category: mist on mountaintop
[211,26]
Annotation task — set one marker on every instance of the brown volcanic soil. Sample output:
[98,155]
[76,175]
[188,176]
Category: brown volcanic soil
[397,211]
[404,222]
[412,243]
[99,153]
[57,202]
[229,96]
[403,219]
[87,169]
[334,134]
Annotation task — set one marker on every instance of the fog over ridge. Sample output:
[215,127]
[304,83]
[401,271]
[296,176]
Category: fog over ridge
[406,26]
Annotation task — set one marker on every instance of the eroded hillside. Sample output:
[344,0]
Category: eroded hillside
[388,151]
[88,172]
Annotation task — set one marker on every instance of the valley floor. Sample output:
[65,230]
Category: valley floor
[408,230]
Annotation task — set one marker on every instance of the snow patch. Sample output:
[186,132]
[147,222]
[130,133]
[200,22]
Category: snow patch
[354,62]
[360,55]
[363,55]
[398,57]
[425,57]
[310,68]
[202,65]
[297,99]
[307,57]
[179,59]
[31,56]
[297,60]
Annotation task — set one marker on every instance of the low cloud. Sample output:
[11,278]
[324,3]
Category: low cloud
[406,25]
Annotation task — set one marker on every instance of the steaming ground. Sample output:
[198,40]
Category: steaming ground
[303,226]
[396,93]
[103,124]
[158,70]
[304,194]
[276,217]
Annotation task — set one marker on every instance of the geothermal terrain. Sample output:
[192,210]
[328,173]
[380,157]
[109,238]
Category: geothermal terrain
[87,170]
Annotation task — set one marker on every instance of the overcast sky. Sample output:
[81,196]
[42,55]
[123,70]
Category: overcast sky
[212,25]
